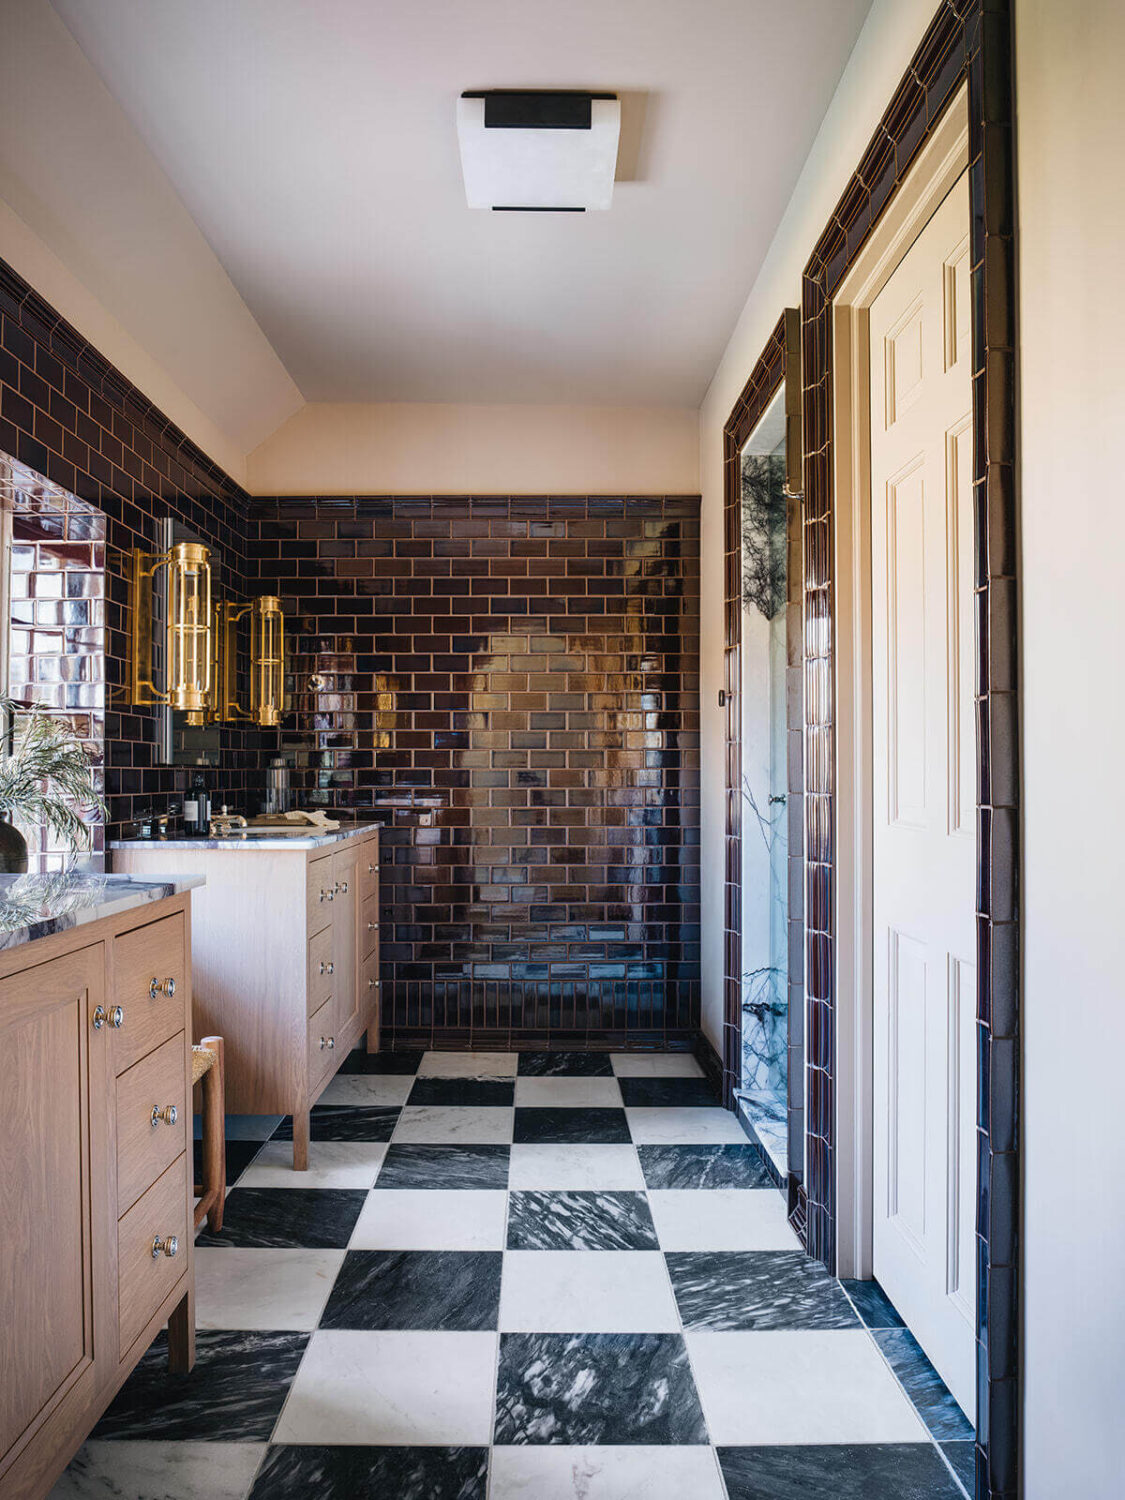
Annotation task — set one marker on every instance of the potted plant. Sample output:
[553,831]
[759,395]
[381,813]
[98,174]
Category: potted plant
[46,777]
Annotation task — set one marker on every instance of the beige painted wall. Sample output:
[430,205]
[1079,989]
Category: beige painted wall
[889,37]
[432,449]
[1071,125]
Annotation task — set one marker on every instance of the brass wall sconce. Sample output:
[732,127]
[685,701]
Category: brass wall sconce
[267,662]
[186,626]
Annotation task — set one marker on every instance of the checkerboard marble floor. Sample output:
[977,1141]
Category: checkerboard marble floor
[524,1277]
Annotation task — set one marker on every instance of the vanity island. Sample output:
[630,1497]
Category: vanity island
[95,1175]
[286,956]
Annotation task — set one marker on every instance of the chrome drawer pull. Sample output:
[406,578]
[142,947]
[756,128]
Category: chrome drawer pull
[167,1246]
[116,1016]
[327,968]
[331,1044]
[162,987]
[342,887]
[373,927]
[98,1020]
[166,1116]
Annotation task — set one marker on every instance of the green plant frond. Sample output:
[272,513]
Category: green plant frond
[47,777]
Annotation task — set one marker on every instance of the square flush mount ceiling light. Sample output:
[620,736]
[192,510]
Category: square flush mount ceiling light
[537,151]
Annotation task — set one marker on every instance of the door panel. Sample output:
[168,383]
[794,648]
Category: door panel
[923,756]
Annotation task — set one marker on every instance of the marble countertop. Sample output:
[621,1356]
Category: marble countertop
[253,838]
[37,906]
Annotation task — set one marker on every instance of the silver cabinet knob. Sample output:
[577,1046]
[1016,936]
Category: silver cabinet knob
[329,968]
[164,1115]
[371,869]
[162,987]
[371,983]
[323,1043]
[116,1017]
[342,887]
[331,1044]
[167,1246]
[99,1016]
[373,927]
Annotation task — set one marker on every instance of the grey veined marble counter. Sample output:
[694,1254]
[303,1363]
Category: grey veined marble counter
[38,906]
[255,838]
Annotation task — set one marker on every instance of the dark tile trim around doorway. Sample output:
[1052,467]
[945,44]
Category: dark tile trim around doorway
[967,40]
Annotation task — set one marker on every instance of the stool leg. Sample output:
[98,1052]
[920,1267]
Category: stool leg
[214,1135]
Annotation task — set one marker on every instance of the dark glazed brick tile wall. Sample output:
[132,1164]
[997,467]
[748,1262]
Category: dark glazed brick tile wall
[66,413]
[511,686]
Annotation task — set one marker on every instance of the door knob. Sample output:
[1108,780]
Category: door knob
[167,1246]
[166,1115]
[99,1017]
[342,887]
[162,987]
[116,1016]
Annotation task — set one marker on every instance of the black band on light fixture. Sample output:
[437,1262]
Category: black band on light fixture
[536,109]
[534,208]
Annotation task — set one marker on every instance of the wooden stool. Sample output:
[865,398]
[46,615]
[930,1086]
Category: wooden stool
[207,1064]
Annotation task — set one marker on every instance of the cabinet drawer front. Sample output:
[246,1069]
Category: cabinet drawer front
[369,925]
[321,894]
[368,869]
[146,1279]
[322,969]
[322,1044]
[158,1083]
[150,979]
[370,990]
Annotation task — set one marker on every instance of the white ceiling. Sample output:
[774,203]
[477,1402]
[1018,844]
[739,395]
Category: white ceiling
[313,143]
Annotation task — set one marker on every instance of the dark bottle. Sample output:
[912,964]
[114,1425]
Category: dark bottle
[197,807]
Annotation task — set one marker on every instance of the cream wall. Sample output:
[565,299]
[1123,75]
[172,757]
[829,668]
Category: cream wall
[889,37]
[507,450]
[1071,122]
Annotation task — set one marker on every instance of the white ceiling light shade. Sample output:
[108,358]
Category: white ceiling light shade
[538,151]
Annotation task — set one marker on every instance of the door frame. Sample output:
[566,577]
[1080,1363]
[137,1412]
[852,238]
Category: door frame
[968,42]
[943,160]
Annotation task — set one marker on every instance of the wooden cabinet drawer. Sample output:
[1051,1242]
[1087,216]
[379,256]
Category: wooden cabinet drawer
[150,1091]
[149,985]
[369,988]
[369,925]
[322,969]
[321,894]
[322,1044]
[145,1279]
[368,868]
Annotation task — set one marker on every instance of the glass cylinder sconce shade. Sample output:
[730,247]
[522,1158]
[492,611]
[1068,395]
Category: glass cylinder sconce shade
[189,627]
[267,660]
[186,628]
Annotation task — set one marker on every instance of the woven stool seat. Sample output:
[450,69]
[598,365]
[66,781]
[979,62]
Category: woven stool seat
[202,1059]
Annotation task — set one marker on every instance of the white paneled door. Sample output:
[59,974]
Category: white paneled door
[924,794]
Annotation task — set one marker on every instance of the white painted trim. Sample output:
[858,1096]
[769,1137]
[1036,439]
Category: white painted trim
[941,162]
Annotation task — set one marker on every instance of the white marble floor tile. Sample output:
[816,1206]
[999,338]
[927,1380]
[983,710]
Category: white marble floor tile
[468,1065]
[655,1065]
[438,1219]
[577,1168]
[721,1219]
[605,1473]
[160,1471]
[246,1127]
[568,1093]
[454,1125]
[401,1388]
[684,1127]
[586,1291]
[799,1387]
[263,1289]
[332,1164]
[367,1088]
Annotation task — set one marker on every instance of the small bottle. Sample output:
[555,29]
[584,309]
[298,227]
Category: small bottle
[197,807]
[191,811]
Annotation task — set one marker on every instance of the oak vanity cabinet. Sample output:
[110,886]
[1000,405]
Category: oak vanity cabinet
[95,1179]
[286,961]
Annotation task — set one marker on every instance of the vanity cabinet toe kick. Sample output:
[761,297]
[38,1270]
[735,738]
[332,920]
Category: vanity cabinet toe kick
[285,951]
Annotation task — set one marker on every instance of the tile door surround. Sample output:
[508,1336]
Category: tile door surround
[510,685]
